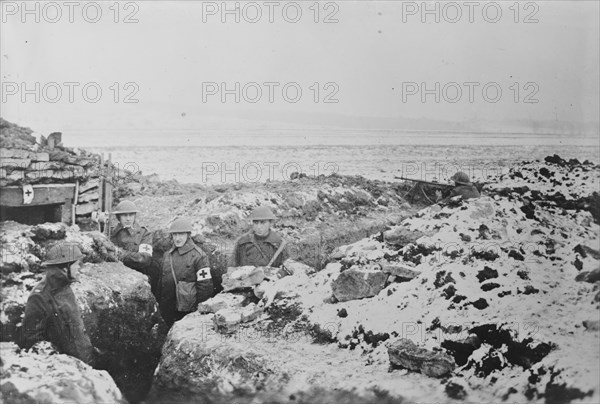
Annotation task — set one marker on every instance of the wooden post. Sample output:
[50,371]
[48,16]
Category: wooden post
[74,205]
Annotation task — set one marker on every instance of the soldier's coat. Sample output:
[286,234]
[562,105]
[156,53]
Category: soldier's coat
[137,243]
[52,314]
[190,264]
[247,251]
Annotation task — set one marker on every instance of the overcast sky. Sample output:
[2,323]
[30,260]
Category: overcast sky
[370,56]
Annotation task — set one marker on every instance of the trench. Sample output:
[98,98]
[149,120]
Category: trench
[135,375]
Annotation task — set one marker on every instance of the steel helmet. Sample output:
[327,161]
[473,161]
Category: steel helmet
[262,213]
[63,253]
[181,225]
[461,178]
[125,207]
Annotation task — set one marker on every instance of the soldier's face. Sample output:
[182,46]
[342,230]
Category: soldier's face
[179,239]
[261,227]
[127,219]
[74,269]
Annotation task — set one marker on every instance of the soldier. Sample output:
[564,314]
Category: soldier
[186,277]
[51,313]
[463,187]
[259,246]
[135,243]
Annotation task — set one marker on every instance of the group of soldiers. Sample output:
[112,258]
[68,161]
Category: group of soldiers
[181,280]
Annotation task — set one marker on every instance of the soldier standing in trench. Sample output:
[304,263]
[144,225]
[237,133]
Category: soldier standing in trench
[52,313]
[186,276]
[259,245]
[134,244]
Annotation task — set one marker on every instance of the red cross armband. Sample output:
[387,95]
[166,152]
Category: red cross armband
[145,248]
[203,274]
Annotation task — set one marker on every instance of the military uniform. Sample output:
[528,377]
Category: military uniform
[466,191]
[190,264]
[251,249]
[52,314]
[137,243]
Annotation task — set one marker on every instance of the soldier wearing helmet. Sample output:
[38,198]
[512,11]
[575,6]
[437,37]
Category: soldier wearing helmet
[135,243]
[188,265]
[463,187]
[52,313]
[259,245]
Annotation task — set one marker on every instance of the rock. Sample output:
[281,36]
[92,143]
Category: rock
[242,277]
[121,316]
[592,325]
[294,267]
[220,302]
[400,271]
[201,365]
[462,349]
[41,375]
[251,312]
[358,283]
[402,236]
[487,273]
[260,289]
[226,320]
[589,276]
[337,254]
[456,390]
[405,354]
[11,153]
[15,163]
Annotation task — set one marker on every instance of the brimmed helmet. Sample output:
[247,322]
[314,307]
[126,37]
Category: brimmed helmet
[262,213]
[125,207]
[62,254]
[461,178]
[181,225]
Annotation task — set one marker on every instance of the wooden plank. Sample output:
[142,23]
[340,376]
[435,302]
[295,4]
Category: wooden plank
[42,195]
[90,184]
[41,186]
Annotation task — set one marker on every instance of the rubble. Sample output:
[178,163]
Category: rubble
[221,301]
[406,354]
[242,277]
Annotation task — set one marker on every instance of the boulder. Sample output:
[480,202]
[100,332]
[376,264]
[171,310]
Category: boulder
[402,236]
[357,283]
[214,368]
[589,276]
[41,375]
[406,354]
[122,319]
[261,366]
[401,272]
[242,277]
